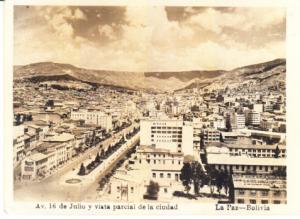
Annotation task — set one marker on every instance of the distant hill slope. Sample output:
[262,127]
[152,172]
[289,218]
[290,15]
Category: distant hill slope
[186,75]
[152,81]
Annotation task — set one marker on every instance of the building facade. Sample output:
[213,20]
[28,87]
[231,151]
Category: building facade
[163,164]
[257,189]
[236,120]
[170,134]
[18,144]
[34,166]
[253,118]
[220,159]
[93,117]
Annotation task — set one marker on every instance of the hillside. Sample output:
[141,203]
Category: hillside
[152,81]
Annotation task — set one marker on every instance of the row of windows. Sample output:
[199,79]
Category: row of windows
[77,115]
[244,167]
[211,138]
[164,127]
[159,123]
[169,140]
[119,189]
[253,201]
[166,132]
[256,150]
[165,175]
[161,155]
[263,193]
[160,161]
[167,136]
[26,168]
[89,116]
[259,155]
[211,133]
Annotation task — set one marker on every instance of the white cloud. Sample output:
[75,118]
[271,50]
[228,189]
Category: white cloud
[215,21]
[107,31]
[260,18]
[149,41]
[78,14]
[242,19]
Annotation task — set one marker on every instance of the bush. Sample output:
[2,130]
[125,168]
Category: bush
[149,197]
[184,195]
[81,170]
[152,190]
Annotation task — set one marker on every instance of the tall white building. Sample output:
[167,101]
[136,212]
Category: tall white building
[253,118]
[211,135]
[258,107]
[236,120]
[93,117]
[171,134]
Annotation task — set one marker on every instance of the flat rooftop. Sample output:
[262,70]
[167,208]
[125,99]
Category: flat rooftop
[37,157]
[227,159]
[60,138]
[153,149]
[259,182]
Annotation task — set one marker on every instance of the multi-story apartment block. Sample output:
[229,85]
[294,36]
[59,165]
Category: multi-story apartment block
[255,148]
[210,135]
[236,120]
[164,164]
[258,107]
[220,159]
[258,189]
[93,117]
[268,107]
[253,118]
[34,166]
[58,149]
[252,148]
[267,124]
[172,134]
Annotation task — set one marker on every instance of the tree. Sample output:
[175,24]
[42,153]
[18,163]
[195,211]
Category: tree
[280,172]
[81,170]
[93,138]
[276,152]
[228,125]
[29,117]
[220,180]
[102,153]
[227,181]
[220,98]
[198,176]
[202,145]
[18,119]
[50,103]
[97,158]
[195,108]
[211,177]
[186,176]
[108,151]
[221,137]
[153,189]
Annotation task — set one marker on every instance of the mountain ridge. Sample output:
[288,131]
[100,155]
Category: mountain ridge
[159,81]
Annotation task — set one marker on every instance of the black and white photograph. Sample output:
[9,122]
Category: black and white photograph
[149,105]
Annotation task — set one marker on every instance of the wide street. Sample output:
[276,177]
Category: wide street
[50,189]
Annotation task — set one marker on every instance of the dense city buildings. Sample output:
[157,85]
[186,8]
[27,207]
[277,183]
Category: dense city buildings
[93,117]
[126,143]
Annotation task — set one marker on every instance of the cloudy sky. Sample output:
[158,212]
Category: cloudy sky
[148,38]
